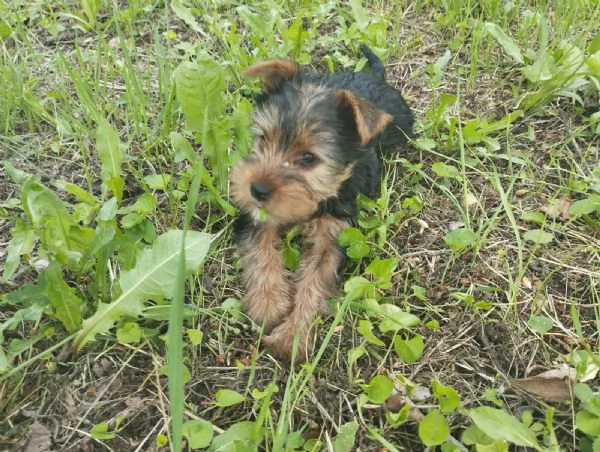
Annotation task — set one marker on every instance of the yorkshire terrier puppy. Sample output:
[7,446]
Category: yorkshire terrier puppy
[317,146]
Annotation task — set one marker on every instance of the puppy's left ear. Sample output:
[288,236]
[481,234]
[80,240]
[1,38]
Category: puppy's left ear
[368,119]
[274,72]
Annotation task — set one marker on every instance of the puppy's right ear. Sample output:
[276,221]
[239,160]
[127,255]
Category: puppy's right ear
[274,72]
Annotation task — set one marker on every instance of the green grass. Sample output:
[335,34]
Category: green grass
[475,271]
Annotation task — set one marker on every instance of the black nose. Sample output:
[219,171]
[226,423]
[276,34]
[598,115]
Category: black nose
[260,191]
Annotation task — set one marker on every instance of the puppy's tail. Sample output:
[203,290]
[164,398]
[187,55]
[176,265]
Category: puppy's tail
[377,68]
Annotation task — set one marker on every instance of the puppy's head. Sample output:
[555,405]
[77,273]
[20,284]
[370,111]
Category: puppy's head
[307,138]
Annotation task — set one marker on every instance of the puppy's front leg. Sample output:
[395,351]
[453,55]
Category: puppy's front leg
[264,276]
[316,282]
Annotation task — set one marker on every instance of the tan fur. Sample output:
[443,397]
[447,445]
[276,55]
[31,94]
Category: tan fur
[273,72]
[370,121]
[315,283]
[267,282]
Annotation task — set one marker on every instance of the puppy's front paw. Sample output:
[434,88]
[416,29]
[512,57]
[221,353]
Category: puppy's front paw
[281,342]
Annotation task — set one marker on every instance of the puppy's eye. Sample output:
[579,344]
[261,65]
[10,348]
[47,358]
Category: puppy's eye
[307,159]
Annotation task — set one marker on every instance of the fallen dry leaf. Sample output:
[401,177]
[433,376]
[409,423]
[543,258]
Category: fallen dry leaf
[40,438]
[562,372]
[521,192]
[468,200]
[549,389]
[455,225]
[557,208]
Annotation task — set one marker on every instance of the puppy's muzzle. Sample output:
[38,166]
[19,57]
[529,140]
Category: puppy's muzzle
[261,191]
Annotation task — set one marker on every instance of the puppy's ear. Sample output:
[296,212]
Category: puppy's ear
[367,118]
[274,72]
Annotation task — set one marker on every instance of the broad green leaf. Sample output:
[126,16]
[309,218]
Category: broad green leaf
[227,397]
[433,428]
[354,354]
[255,21]
[538,236]
[152,278]
[75,190]
[21,243]
[474,435]
[358,250]
[541,324]
[344,440]
[182,147]
[583,392]
[365,327]
[194,335]
[109,150]
[460,238]
[498,424]
[5,31]
[425,144]
[18,346]
[129,333]
[585,206]
[379,389]
[495,445]
[414,204]
[56,228]
[103,237]
[241,121]
[449,447]
[28,294]
[109,210]
[433,324]
[116,185]
[588,423]
[162,440]
[437,68]
[186,14]
[158,181]
[505,42]
[4,363]
[533,217]
[594,45]
[199,433]
[291,256]
[447,397]
[398,320]
[101,431]
[294,440]
[18,176]
[443,170]
[419,292]
[31,313]
[67,305]
[349,236]
[145,205]
[358,287]
[399,417]
[199,89]
[215,139]
[355,241]
[382,268]
[138,211]
[409,350]
[240,437]
[360,14]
